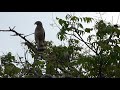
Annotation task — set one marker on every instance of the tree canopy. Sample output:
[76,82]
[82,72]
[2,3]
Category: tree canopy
[91,52]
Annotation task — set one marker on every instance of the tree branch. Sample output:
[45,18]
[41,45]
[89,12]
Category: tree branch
[29,44]
[86,43]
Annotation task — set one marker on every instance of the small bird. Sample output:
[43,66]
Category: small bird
[39,35]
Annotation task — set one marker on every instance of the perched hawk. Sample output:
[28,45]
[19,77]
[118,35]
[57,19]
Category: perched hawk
[39,35]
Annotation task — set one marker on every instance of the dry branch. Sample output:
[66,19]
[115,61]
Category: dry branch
[29,44]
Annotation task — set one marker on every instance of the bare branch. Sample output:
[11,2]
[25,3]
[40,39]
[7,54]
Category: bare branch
[29,44]
[55,22]
[14,27]
[20,60]
[5,30]
[82,41]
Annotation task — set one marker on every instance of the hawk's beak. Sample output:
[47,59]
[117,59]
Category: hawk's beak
[35,23]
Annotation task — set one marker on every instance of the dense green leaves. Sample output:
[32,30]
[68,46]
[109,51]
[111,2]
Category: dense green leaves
[104,43]
[7,58]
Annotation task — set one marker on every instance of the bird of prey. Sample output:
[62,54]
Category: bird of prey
[39,35]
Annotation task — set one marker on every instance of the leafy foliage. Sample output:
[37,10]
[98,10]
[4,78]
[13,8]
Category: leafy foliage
[71,60]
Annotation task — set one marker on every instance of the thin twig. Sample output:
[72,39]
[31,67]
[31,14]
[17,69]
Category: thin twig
[25,55]
[20,60]
[82,41]
[28,34]
[118,18]
[55,22]
[86,43]
[100,15]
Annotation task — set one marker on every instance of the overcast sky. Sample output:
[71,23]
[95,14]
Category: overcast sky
[24,22]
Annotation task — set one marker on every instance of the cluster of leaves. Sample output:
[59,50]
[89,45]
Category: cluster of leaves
[104,43]
[72,24]
[7,68]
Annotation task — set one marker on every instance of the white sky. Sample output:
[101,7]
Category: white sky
[24,22]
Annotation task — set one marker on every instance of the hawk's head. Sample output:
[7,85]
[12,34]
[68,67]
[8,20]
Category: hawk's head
[38,23]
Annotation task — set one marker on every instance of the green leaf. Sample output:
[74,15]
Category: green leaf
[60,22]
[77,41]
[66,25]
[81,32]
[88,19]
[81,19]
[61,37]
[57,18]
[74,18]
[80,25]
[88,30]
[90,37]
[84,19]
